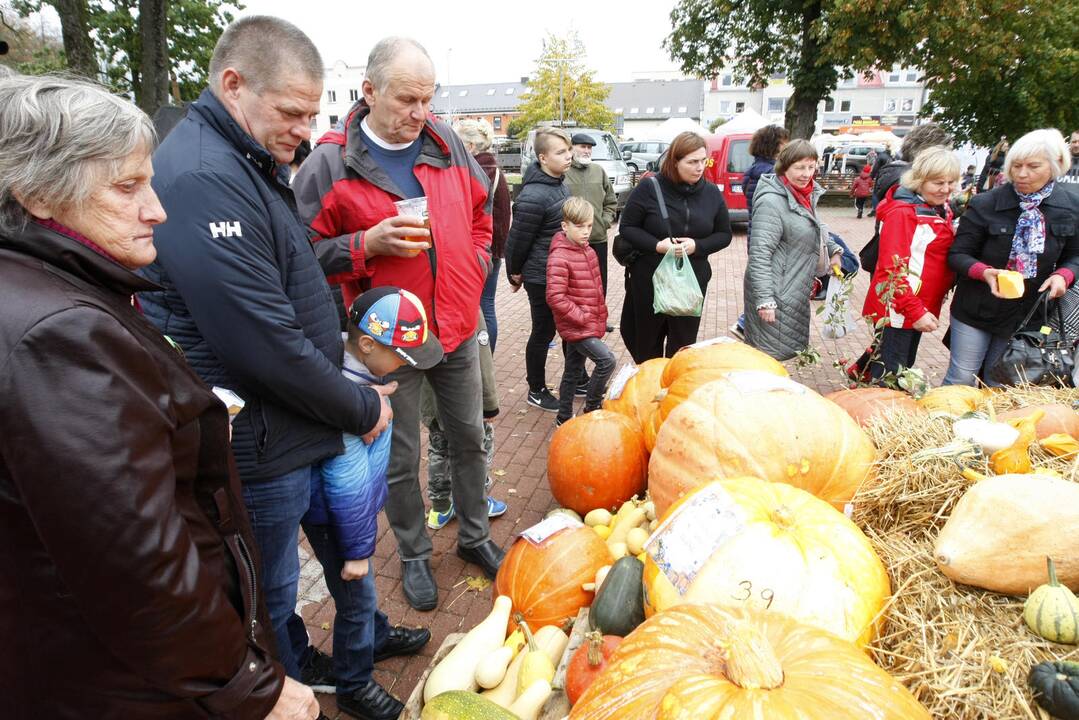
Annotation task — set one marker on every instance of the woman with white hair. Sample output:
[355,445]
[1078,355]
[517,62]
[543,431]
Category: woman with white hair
[1031,226]
[912,276]
[478,136]
[128,586]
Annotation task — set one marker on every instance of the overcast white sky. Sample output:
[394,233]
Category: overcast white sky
[482,41]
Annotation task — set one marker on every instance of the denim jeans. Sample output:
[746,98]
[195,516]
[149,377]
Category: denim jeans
[974,352]
[487,303]
[359,627]
[597,351]
[276,507]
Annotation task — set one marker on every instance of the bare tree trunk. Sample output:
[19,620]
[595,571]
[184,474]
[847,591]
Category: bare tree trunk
[75,29]
[812,81]
[152,89]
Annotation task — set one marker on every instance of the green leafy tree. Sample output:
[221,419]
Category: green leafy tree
[74,29]
[193,27]
[563,88]
[1018,76]
[31,51]
[716,123]
[517,128]
[811,42]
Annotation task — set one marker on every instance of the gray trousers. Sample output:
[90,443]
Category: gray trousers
[458,392]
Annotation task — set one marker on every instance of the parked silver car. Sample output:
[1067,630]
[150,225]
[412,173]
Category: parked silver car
[642,152]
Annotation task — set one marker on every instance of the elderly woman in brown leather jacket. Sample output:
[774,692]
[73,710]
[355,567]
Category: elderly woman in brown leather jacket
[127,583]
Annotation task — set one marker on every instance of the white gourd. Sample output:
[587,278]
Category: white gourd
[528,705]
[457,671]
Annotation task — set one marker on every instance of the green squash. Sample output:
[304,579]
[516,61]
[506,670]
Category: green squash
[1056,688]
[1052,611]
[463,705]
[619,604]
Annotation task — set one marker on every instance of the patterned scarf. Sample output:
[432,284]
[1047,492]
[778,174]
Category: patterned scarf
[1029,240]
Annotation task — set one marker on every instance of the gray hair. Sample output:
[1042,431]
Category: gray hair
[922,137]
[1048,144]
[384,53]
[58,137]
[264,49]
[478,133]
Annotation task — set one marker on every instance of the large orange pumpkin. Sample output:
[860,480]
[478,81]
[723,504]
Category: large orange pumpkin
[722,354]
[544,581]
[772,546]
[683,386]
[864,404]
[754,424]
[650,430]
[706,661]
[638,397]
[596,460]
[1058,418]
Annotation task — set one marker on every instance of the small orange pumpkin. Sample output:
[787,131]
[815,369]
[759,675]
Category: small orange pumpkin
[864,404]
[544,581]
[596,460]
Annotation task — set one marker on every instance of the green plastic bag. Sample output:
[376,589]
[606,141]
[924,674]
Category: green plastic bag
[675,290]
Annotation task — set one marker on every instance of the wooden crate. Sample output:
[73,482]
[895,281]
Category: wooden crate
[557,706]
[415,701]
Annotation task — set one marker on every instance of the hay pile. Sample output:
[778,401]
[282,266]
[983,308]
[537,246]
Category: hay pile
[939,637]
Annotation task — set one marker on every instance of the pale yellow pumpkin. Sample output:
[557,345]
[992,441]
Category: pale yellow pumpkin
[724,355]
[771,546]
[705,662]
[953,399]
[759,425]
[1004,527]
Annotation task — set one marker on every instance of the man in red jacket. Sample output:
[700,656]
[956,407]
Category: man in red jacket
[390,149]
[575,296]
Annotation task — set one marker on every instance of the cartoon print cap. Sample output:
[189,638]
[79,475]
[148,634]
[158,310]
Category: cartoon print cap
[396,319]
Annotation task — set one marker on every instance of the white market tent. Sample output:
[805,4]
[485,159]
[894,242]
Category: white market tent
[668,129]
[747,121]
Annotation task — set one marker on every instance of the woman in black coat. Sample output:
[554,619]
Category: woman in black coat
[537,216]
[1030,225]
[699,226]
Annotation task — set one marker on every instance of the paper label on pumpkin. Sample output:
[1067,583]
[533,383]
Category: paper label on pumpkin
[682,544]
[618,382]
[721,340]
[749,382]
[544,529]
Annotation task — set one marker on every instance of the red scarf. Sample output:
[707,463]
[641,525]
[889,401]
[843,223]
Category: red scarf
[804,196]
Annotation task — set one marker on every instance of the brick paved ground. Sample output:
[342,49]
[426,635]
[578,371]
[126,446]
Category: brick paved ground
[522,434]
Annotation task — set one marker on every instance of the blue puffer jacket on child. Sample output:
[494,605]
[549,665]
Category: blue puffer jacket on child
[350,489]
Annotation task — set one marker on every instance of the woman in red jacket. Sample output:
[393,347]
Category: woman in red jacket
[575,296]
[912,275]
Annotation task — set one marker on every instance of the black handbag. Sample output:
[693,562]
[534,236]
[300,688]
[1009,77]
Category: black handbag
[624,253]
[1038,357]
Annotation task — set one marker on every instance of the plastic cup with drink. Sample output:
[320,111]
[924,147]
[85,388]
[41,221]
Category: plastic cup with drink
[415,207]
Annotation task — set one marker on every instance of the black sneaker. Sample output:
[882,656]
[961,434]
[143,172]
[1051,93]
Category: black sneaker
[371,702]
[582,387]
[559,422]
[544,400]
[317,672]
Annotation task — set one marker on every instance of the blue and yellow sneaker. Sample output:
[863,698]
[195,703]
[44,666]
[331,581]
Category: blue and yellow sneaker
[437,520]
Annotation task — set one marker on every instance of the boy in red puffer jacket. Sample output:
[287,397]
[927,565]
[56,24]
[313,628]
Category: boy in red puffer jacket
[862,188]
[575,296]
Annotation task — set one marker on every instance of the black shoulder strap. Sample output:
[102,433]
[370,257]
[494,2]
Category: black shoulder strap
[662,205]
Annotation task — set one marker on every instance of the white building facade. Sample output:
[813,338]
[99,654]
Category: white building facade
[341,87]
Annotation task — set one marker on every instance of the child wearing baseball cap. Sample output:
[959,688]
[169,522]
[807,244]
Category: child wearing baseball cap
[387,328]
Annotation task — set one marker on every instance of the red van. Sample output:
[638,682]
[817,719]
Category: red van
[729,158]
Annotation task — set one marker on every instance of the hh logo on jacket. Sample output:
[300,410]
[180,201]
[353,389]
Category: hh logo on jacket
[226,229]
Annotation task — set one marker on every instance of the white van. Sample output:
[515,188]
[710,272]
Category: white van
[605,154]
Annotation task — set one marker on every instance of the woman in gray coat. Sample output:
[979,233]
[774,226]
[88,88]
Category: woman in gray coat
[789,247]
